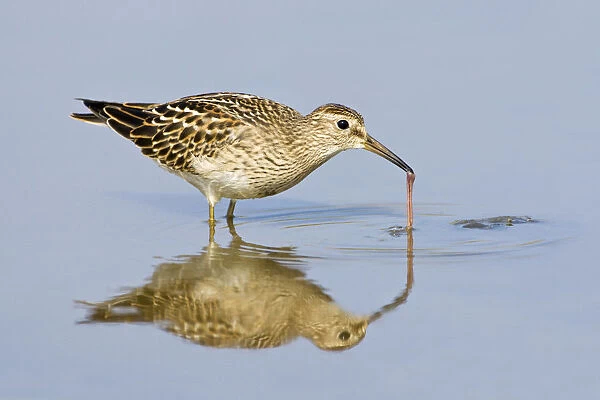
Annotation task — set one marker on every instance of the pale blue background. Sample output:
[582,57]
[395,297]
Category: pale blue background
[494,104]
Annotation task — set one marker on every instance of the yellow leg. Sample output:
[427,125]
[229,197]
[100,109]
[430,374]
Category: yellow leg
[211,212]
[230,208]
[211,222]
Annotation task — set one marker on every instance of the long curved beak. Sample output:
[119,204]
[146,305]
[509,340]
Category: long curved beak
[375,147]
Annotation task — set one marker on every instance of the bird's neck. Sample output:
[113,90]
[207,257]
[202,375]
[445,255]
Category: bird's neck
[315,145]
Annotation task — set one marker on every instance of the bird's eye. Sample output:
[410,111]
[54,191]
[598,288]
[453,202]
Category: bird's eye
[343,124]
[344,335]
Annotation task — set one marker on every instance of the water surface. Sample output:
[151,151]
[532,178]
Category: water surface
[495,106]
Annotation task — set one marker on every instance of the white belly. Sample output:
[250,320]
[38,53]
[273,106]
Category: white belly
[216,185]
[220,178]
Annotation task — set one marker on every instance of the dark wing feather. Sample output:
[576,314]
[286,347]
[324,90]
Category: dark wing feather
[173,133]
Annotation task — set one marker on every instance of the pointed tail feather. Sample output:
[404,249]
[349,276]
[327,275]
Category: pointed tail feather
[121,117]
[98,116]
[89,118]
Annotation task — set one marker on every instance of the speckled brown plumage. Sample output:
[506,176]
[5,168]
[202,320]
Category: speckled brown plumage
[242,296]
[234,145]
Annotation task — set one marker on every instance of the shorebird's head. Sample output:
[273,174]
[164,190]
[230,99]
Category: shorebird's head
[341,128]
[341,333]
[327,325]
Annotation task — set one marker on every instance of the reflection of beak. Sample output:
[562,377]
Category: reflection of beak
[374,146]
[363,327]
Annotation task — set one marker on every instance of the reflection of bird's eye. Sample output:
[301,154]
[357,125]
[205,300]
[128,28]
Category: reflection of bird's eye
[344,335]
[343,124]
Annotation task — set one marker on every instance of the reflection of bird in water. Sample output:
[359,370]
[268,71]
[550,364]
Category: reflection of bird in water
[245,295]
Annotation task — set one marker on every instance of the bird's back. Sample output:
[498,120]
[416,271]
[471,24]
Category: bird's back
[177,133]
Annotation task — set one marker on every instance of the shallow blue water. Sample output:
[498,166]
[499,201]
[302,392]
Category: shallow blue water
[494,106]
